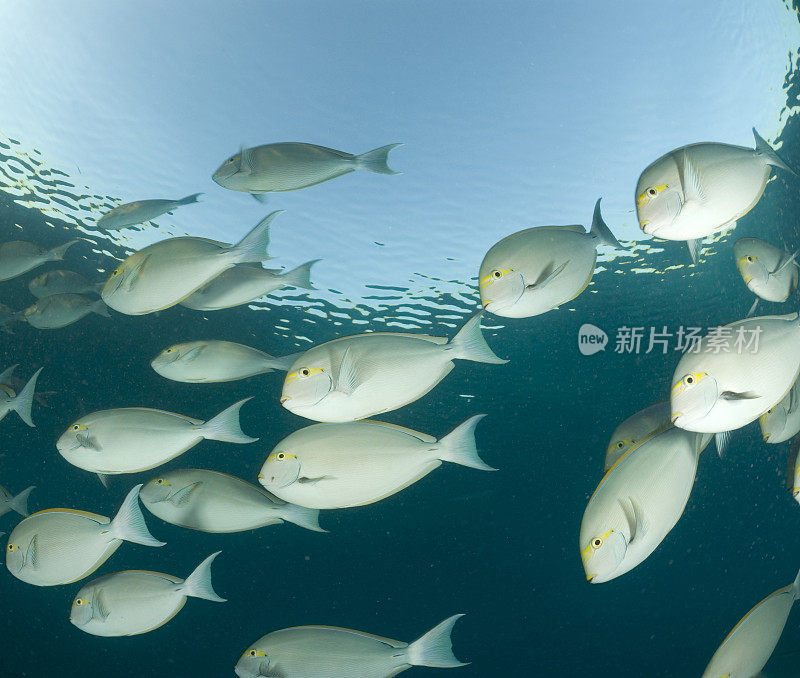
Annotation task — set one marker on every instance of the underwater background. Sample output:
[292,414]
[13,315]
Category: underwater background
[511,115]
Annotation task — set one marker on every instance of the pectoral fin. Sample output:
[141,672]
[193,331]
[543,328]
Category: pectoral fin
[31,555]
[690,181]
[734,395]
[546,277]
[635,518]
[182,496]
[86,441]
[346,377]
[133,276]
[192,355]
[303,480]
[245,160]
[100,606]
[786,263]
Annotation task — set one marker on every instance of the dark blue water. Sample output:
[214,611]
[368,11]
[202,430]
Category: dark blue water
[500,547]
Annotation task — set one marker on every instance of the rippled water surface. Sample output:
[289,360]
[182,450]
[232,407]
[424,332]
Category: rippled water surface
[511,115]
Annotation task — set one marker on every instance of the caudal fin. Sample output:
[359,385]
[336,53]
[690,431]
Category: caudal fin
[198,583]
[796,586]
[189,199]
[435,648]
[6,374]
[129,524]
[469,343]
[769,155]
[253,247]
[300,276]
[23,401]
[225,426]
[57,253]
[20,502]
[376,160]
[283,362]
[459,446]
[99,307]
[302,516]
[600,229]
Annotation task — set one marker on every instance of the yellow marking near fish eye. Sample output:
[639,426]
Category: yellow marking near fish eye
[649,194]
[280,456]
[595,544]
[81,601]
[256,653]
[161,481]
[619,445]
[302,373]
[79,427]
[12,548]
[496,274]
[688,381]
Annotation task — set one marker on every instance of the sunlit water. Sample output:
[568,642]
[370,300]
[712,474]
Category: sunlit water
[511,116]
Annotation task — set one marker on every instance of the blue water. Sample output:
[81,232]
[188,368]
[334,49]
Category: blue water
[500,547]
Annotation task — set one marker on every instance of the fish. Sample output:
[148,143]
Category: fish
[8,379]
[21,402]
[289,166]
[133,439]
[62,546]
[326,651]
[243,284]
[167,272]
[723,391]
[132,213]
[636,428]
[363,375]
[782,421]
[768,271]
[328,466]
[135,601]
[701,189]
[62,282]
[749,646]
[59,310]
[638,502]
[19,256]
[18,503]
[539,269]
[793,470]
[213,361]
[210,501]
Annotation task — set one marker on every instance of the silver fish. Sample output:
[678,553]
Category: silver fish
[132,213]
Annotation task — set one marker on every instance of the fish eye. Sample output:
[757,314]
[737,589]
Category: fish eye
[497,274]
[117,272]
[169,350]
[305,372]
[252,653]
[280,456]
[620,445]
[80,601]
[652,192]
[160,481]
[11,547]
[597,542]
[689,380]
[750,260]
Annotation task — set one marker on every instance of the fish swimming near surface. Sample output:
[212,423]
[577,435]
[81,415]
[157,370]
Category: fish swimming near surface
[768,271]
[165,273]
[327,651]
[132,213]
[213,361]
[782,421]
[716,390]
[61,546]
[638,502]
[62,282]
[539,269]
[18,503]
[133,439]
[133,602]
[328,466]
[701,189]
[19,256]
[21,402]
[289,166]
[244,284]
[210,501]
[59,310]
[635,429]
[363,375]
[749,646]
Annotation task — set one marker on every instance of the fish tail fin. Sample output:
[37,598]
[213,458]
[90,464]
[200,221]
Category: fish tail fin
[7,373]
[99,307]
[459,446]
[129,524]
[253,247]
[282,363]
[435,648]
[225,426]
[376,160]
[600,229]
[23,401]
[57,253]
[769,155]
[189,199]
[469,343]
[198,583]
[20,502]
[300,276]
[302,516]
[796,586]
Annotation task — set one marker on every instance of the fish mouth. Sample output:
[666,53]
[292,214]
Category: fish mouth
[285,399]
[675,417]
[766,437]
[590,578]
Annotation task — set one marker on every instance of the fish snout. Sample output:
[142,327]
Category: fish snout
[285,399]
